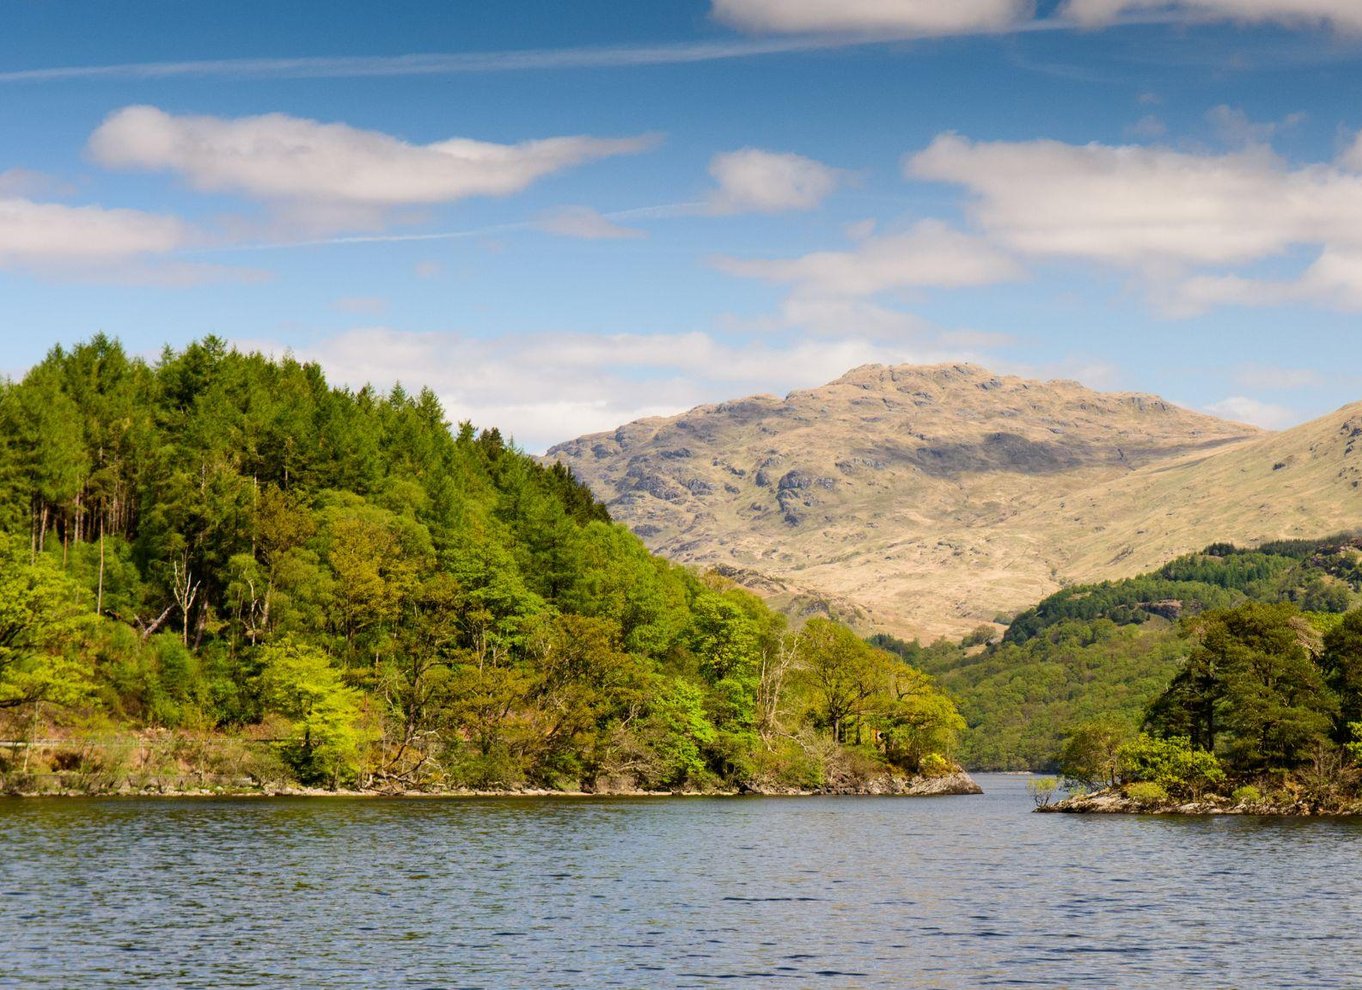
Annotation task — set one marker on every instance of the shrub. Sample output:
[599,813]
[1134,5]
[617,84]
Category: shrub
[1042,790]
[1248,794]
[1146,792]
[1173,764]
[935,765]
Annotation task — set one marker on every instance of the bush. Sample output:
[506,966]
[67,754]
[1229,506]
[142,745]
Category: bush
[1248,794]
[1042,790]
[935,765]
[980,636]
[1173,764]
[1146,792]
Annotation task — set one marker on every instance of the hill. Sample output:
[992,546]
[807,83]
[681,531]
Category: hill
[926,500]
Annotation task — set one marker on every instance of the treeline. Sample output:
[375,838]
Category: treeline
[1264,709]
[224,545]
[1105,651]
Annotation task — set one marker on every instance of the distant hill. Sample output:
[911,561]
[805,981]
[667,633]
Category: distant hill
[924,501]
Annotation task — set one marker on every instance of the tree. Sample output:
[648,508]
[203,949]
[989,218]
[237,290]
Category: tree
[844,673]
[918,720]
[328,737]
[1252,679]
[1091,753]
[1174,764]
[1342,663]
[42,615]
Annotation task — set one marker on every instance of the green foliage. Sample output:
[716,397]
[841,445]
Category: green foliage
[1042,790]
[327,738]
[1111,650]
[1252,687]
[1146,792]
[1020,702]
[1174,764]
[42,625]
[1091,755]
[1246,794]
[218,542]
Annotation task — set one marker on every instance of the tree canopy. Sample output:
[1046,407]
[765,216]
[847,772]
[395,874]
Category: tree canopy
[246,549]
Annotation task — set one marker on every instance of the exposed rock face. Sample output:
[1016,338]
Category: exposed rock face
[921,501]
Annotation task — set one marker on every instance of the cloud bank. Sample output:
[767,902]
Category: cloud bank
[1170,215]
[54,238]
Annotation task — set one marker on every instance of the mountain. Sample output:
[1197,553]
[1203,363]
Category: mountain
[925,501]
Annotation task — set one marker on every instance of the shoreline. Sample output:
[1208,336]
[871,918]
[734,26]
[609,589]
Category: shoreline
[948,785]
[1112,802]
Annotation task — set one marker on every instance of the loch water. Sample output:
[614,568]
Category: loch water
[955,892]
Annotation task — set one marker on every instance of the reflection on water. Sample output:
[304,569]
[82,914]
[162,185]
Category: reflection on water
[836,892]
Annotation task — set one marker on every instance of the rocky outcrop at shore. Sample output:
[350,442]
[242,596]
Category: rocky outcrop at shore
[886,785]
[1113,801]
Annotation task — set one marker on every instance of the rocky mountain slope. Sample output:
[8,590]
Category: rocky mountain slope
[926,500]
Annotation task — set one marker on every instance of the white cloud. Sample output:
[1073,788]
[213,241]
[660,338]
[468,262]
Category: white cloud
[56,235]
[900,17]
[586,223]
[751,180]
[547,388]
[1243,409]
[931,254]
[1345,15]
[1333,280]
[1140,206]
[1234,128]
[337,174]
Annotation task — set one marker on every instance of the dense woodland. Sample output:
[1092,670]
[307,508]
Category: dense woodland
[1230,667]
[216,565]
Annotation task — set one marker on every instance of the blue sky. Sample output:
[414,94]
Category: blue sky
[563,216]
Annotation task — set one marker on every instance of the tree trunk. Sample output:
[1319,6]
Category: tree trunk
[99,595]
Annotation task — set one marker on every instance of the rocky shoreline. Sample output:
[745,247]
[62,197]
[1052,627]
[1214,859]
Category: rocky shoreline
[886,785]
[1112,801]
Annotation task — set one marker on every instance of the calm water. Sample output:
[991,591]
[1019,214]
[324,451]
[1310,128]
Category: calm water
[828,892]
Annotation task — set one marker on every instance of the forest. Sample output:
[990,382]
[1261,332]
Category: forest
[219,571]
[1227,668]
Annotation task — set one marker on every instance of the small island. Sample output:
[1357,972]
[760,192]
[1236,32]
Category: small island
[1263,718]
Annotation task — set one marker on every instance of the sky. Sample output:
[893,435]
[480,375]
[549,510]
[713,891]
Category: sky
[565,216]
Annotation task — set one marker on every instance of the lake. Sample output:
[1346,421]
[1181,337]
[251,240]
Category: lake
[669,892]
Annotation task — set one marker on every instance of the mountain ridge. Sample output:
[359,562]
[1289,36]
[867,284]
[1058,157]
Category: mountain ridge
[918,497]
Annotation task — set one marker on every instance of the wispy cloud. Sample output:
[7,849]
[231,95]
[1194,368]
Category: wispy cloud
[526,60]
[440,64]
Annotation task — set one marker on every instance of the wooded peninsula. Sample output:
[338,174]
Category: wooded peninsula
[220,573]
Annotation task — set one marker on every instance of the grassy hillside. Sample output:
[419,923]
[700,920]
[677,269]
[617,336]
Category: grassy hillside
[216,564]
